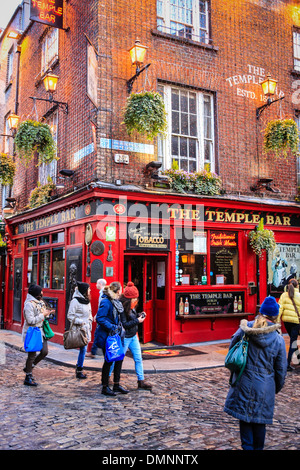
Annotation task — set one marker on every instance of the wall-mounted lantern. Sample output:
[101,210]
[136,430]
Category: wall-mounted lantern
[50,84]
[268,88]
[137,55]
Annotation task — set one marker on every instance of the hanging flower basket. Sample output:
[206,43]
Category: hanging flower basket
[280,137]
[41,194]
[7,169]
[262,239]
[145,113]
[34,136]
[201,182]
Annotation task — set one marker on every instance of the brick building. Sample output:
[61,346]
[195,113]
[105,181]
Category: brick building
[208,59]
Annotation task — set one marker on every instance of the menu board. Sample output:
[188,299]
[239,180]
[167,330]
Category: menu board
[204,303]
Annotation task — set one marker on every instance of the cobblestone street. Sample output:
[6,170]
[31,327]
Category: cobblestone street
[183,412]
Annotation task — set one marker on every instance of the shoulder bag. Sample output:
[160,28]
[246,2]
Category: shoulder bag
[236,359]
[75,337]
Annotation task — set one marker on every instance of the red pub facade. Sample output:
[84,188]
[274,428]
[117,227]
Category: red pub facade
[190,259]
[116,217]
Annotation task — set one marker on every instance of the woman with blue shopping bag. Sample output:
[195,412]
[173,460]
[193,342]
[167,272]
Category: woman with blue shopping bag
[35,313]
[108,320]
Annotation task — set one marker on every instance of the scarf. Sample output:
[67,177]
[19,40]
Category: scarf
[81,300]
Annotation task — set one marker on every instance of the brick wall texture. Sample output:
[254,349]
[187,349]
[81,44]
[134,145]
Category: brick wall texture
[250,38]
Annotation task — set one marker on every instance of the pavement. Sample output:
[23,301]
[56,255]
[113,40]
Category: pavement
[157,358]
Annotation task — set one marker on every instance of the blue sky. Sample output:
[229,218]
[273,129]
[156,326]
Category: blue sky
[7,8]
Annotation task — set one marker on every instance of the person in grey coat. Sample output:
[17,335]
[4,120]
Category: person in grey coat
[80,314]
[34,313]
[252,398]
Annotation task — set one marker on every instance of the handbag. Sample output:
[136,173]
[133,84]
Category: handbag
[114,349]
[75,337]
[47,330]
[33,339]
[236,359]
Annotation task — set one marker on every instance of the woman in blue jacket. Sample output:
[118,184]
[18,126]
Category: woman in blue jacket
[108,320]
[252,398]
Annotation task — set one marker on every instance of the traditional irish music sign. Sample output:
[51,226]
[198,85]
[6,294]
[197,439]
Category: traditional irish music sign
[49,12]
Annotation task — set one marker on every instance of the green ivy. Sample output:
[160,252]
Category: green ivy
[145,113]
[7,169]
[281,136]
[34,136]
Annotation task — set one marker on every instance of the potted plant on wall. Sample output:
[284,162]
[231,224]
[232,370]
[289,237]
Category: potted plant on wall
[280,137]
[41,194]
[7,169]
[34,136]
[262,239]
[145,113]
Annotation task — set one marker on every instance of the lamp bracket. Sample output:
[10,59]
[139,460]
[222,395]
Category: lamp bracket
[132,79]
[60,104]
[264,184]
[268,103]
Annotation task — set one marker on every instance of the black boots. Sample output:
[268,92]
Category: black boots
[119,388]
[116,388]
[29,380]
[79,374]
[107,391]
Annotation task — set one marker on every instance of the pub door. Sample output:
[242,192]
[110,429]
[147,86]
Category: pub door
[148,273]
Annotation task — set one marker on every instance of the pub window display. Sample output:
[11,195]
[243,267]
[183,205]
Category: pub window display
[283,265]
[46,267]
[194,267]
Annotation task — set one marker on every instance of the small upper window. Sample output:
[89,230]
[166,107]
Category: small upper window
[49,49]
[184,18]
[10,63]
[296,43]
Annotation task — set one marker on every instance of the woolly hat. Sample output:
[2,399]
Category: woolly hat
[35,290]
[269,307]
[130,291]
[82,287]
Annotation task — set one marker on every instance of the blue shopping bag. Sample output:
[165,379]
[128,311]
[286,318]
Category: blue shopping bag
[33,339]
[114,349]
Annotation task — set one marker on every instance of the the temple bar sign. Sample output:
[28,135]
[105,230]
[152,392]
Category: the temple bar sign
[49,12]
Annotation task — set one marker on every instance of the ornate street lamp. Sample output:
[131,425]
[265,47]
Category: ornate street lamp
[137,55]
[269,88]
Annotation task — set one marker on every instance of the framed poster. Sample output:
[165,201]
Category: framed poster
[283,265]
[200,243]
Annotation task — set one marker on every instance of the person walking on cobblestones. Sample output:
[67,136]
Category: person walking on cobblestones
[80,313]
[101,283]
[108,319]
[289,313]
[34,315]
[252,398]
[130,320]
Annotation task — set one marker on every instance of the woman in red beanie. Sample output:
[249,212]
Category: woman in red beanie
[130,320]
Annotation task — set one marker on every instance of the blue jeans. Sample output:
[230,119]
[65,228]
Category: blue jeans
[134,346]
[252,435]
[293,332]
[81,356]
